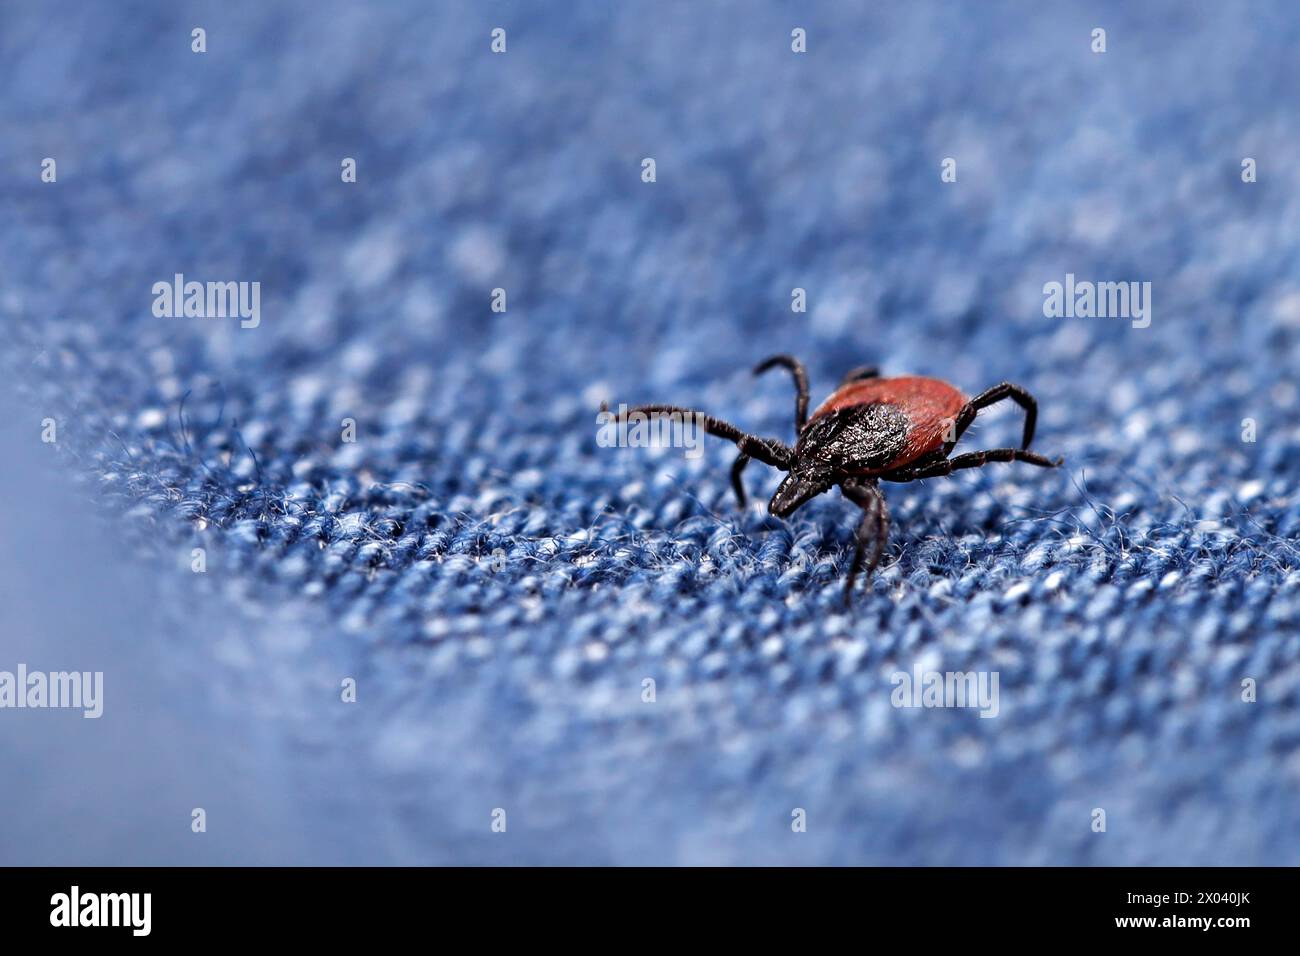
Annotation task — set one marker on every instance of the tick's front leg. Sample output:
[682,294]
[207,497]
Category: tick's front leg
[873,530]
[737,482]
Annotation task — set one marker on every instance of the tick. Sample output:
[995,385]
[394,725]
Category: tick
[870,429]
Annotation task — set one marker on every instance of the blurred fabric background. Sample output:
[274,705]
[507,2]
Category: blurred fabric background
[498,586]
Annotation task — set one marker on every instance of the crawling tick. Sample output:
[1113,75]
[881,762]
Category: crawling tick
[870,430]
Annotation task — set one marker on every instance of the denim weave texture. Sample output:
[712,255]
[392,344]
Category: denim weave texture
[499,586]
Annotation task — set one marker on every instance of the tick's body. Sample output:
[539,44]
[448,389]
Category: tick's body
[871,429]
[911,416]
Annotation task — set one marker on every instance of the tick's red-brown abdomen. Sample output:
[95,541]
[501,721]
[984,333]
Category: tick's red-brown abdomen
[930,405]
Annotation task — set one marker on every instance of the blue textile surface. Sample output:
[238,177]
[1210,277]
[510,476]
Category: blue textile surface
[497,584]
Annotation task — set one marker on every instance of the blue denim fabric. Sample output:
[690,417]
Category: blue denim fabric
[499,585]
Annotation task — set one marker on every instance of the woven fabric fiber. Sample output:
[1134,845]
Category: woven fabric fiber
[500,587]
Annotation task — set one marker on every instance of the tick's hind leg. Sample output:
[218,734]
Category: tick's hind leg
[991,397]
[973,459]
[859,374]
[873,530]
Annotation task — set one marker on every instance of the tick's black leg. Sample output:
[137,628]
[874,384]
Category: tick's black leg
[800,384]
[737,484]
[990,397]
[767,450]
[860,373]
[874,529]
[973,459]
